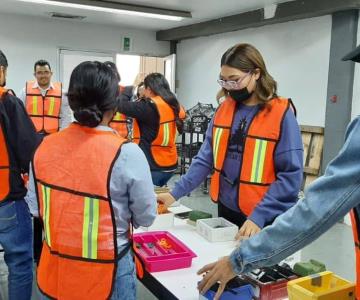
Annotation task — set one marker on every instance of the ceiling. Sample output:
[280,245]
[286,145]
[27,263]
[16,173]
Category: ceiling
[201,10]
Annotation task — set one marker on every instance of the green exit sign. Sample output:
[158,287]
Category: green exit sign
[127,44]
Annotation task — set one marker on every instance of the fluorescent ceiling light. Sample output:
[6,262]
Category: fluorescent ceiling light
[105,7]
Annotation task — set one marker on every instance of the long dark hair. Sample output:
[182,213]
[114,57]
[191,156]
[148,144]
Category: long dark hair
[93,90]
[114,68]
[160,86]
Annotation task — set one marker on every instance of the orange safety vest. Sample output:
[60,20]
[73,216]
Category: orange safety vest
[258,168]
[79,256]
[44,111]
[163,148]
[355,220]
[120,121]
[182,113]
[4,157]
[136,135]
[120,124]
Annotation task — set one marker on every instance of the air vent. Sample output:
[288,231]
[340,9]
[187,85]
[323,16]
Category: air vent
[65,16]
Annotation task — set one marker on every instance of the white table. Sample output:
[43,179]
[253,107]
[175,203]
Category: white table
[182,283]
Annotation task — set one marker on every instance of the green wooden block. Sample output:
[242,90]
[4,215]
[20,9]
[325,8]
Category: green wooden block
[197,215]
[309,268]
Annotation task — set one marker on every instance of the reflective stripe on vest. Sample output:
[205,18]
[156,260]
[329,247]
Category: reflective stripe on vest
[216,145]
[46,195]
[80,252]
[120,124]
[90,228]
[44,111]
[166,140]
[34,105]
[119,117]
[166,135]
[257,169]
[51,106]
[4,157]
[355,220]
[258,161]
[163,148]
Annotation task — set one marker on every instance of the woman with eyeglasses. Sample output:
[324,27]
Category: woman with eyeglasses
[253,147]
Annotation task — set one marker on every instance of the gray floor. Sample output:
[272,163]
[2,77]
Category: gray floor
[334,248]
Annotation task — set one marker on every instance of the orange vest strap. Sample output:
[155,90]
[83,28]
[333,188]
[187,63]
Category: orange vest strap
[257,170]
[4,166]
[4,157]
[71,191]
[3,92]
[182,113]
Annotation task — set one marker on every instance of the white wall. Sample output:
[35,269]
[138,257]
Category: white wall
[26,39]
[296,54]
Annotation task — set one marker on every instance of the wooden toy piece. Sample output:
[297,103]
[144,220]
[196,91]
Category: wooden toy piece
[161,209]
[308,268]
[164,243]
[197,215]
[159,190]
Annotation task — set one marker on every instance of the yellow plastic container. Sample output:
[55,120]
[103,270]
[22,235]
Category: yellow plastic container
[321,286]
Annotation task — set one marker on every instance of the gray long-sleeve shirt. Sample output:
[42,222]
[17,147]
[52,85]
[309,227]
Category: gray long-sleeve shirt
[131,191]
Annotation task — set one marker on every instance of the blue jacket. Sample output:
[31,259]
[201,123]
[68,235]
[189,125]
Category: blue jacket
[326,201]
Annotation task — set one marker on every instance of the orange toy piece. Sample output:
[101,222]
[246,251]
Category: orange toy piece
[164,244]
[161,209]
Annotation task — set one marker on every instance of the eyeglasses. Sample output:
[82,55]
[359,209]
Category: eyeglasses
[41,73]
[232,84]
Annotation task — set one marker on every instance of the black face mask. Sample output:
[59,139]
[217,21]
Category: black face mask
[240,95]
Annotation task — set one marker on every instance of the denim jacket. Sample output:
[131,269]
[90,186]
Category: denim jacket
[326,201]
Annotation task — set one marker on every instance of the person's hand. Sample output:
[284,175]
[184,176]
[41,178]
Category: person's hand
[221,271]
[248,229]
[166,198]
[139,78]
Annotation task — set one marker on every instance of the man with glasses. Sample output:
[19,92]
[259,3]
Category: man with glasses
[48,108]
[45,101]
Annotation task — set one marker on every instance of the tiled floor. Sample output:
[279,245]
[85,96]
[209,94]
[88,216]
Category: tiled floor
[334,248]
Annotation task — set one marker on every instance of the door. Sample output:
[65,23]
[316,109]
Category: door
[169,66]
[69,59]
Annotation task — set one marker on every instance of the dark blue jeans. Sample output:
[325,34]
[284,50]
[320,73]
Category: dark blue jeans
[160,178]
[16,240]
